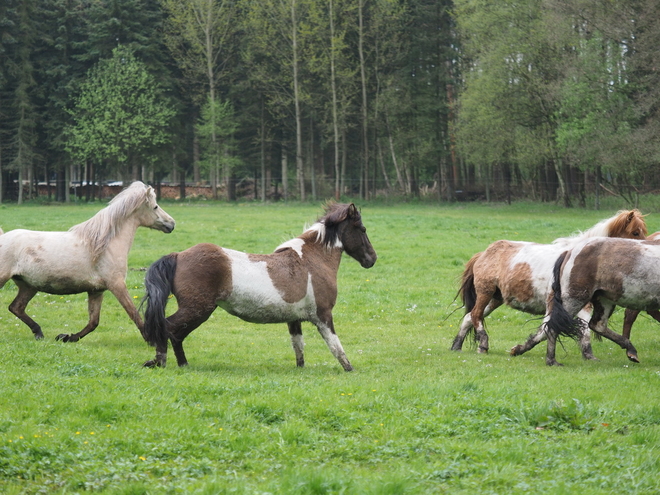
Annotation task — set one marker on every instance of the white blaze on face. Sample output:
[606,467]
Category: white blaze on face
[254,298]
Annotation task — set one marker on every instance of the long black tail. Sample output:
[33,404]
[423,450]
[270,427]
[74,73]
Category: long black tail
[158,283]
[560,321]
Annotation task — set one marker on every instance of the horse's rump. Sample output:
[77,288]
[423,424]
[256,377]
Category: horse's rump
[467,291]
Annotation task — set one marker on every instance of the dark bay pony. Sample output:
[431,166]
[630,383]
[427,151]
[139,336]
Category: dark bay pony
[606,273]
[296,283]
[518,274]
[90,257]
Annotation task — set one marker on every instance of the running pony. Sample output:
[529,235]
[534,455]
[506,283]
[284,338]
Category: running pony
[90,257]
[296,283]
[518,274]
[605,273]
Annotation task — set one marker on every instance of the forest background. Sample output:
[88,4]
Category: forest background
[550,100]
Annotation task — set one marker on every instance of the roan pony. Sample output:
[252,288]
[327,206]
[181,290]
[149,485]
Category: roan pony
[296,283]
[518,274]
[605,273]
[90,257]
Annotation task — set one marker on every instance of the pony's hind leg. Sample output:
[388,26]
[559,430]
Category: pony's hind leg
[181,323]
[295,330]
[18,305]
[601,328]
[475,321]
[94,301]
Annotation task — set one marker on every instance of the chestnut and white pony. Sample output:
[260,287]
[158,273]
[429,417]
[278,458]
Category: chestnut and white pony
[606,273]
[90,257]
[518,274]
[296,283]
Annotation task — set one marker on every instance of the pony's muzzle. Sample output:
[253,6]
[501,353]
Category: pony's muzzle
[369,261]
[166,227]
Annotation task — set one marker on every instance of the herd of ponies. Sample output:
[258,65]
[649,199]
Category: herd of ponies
[574,283]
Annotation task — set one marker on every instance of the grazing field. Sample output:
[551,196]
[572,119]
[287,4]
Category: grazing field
[412,418]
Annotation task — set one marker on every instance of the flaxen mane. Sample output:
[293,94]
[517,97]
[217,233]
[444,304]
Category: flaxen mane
[98,231]
[625,221]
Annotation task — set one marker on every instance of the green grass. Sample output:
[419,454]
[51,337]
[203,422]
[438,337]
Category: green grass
[413,417]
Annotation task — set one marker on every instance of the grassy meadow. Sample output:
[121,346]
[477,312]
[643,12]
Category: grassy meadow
[413,418]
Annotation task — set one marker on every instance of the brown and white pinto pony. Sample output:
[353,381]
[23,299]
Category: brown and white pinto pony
[606,273]
[90,257]
[518,274]
[296,283]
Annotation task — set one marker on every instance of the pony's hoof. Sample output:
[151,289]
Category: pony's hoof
[39,336]
[553,363]
[65,337]
[632,357]
[152,363]
[590,357]
[515,350]
[482,350]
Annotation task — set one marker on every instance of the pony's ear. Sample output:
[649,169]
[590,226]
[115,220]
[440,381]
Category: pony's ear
[631,215]
[352,210]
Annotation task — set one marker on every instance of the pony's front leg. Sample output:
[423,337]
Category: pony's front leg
[121,293]
[18,305]
[94,301]
[295,330]
[327,330]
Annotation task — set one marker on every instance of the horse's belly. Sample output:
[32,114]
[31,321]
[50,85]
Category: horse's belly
[259,311]
[61,285]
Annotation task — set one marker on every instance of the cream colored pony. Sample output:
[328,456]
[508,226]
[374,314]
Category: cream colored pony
[90,257]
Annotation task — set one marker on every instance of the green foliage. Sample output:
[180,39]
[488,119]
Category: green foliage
[413,417]
[119,113]
[216,127]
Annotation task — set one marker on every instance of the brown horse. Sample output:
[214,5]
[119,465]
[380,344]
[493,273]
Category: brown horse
[606,273]
[518,274]
[296,283]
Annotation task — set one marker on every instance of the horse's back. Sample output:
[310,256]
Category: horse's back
[624,271]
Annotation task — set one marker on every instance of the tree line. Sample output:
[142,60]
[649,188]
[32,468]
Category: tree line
[308,99]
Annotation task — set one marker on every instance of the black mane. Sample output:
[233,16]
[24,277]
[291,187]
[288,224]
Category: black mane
[335,214]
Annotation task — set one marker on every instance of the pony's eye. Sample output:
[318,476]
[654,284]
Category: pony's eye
[156,207]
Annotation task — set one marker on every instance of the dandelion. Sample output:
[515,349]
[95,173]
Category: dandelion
[77,433]
[142,458]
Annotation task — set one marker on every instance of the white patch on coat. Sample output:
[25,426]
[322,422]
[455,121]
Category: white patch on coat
[295,244]
[254,297]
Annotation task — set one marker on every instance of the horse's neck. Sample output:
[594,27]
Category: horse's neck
[120,244]
[331,253]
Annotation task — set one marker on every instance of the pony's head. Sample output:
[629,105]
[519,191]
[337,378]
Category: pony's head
[343,224]
[148,212]
[629,224]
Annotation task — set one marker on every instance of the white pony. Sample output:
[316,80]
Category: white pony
[90,257]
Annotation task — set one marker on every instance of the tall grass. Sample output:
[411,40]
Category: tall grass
[413,417]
